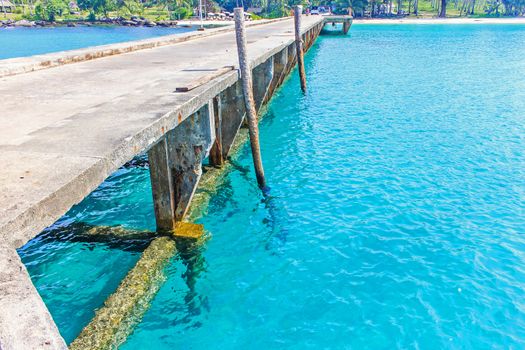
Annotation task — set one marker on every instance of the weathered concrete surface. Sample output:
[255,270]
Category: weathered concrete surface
[232,113]
[22,309]
[22,65]
[263,75]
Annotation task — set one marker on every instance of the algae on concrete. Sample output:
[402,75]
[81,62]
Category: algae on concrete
[212,179]
[189,230]
[124,308]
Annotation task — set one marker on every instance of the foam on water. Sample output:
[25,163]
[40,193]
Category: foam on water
[395,217]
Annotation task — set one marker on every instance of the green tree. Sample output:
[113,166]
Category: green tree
[492,7]
[514,7]
[274,8]
[357,6]
[129,7]
[49,10]
[97,6]
[181,13]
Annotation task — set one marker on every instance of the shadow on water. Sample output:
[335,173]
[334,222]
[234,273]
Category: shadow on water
[335,29]
[91,236]
[191,254]
[278,233]
[140,161]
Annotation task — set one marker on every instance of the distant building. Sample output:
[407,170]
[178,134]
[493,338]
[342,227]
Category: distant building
[7,6]
[73,7]
[255,10]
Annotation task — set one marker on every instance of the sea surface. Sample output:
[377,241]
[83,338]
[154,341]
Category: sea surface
[395,219]
[21,42]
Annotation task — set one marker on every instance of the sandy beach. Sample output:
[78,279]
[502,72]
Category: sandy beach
[412,20]
[518,20]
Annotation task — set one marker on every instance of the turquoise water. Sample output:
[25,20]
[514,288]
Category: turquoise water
[75,274]
[20,42]
[395,218]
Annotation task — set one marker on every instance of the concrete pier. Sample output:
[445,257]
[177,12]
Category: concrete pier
[66,128]
[346,20]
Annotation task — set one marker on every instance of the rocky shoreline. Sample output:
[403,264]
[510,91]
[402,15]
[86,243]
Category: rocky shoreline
[120,21]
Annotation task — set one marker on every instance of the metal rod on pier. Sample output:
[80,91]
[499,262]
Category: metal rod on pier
[200,15]
[246,80]
[298,10]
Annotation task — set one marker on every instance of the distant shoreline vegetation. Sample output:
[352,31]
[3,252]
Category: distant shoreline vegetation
[167,12]
[124,12]
[120,21]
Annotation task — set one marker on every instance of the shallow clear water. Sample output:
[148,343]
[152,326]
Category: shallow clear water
[396,217]
[20,42]
[75,274]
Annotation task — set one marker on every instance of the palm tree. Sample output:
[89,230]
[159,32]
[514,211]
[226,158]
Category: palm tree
[443,10]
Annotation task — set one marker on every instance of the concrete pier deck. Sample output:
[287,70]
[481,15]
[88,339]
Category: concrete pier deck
[63,130]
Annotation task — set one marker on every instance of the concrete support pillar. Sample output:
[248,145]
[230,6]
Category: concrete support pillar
[216,152]
[176,166]
[307,40]
[280,61]
[262,76]
[346,26]
[233,111]
[291,58]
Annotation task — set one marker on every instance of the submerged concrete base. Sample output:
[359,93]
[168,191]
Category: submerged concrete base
[124,308]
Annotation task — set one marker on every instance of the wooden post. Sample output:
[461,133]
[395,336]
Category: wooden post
[299,46]
[162,185]
[246,79]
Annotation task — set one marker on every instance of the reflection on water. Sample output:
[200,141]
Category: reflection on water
[190,253]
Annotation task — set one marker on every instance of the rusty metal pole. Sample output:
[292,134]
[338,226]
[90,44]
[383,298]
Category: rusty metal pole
[299,46]
[246,80]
